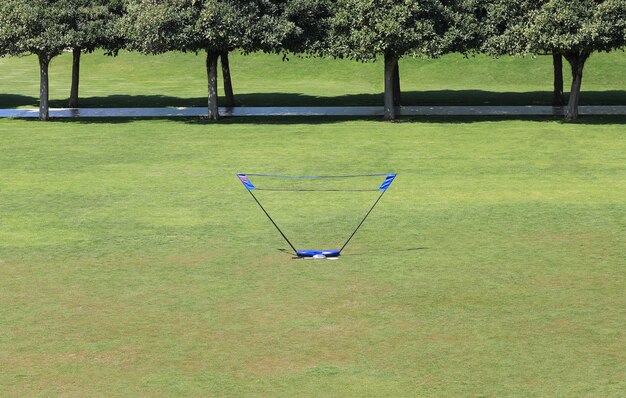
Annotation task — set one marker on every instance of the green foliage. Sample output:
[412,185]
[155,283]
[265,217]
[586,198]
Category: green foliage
[467,27]
[365,29]
[156,26]
[95,25]
[46,27]
[502,28]
[524,26]
[310,19]
[42,27]
[577,25]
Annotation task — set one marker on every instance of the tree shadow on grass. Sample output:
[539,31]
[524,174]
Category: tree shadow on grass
[323,120]
[252,120]
[409,98]
[415,98]
[17,100]
[431,98]
[463,119]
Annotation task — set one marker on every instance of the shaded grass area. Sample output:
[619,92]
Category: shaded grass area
[132,80]
[415,98]
[133,262]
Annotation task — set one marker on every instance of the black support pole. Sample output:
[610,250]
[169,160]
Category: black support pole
[270,218]
[362,221]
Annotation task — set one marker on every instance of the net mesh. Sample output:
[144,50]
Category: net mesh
[269,182]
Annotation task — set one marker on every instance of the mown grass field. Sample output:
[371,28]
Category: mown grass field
[133,262]
[176,79]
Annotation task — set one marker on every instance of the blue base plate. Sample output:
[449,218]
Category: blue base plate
[311,253]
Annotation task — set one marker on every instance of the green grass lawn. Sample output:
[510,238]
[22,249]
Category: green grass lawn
[176,79]
[133,262]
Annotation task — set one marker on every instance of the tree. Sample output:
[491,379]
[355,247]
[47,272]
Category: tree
[39,27]
[93,26]
[215,26]
[576,29]
[366,29]
[570,29]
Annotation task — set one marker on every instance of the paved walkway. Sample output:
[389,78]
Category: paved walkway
[531,110]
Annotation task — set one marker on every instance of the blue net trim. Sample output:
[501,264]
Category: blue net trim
[319,183]
[316,190]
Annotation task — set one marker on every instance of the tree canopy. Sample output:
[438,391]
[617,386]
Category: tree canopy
[40,27]
[309,26]
[584,26]
[366,29]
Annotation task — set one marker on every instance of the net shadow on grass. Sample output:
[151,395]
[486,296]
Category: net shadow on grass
[409,98]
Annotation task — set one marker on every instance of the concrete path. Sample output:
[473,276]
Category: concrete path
[531,110]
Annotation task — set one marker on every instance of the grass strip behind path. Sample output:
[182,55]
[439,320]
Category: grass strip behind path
[175,79]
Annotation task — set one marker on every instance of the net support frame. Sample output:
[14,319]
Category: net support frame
[273,222]
[383,188]
[363,220]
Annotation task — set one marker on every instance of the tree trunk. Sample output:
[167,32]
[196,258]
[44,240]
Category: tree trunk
[228,85]
[44,108]
[577,62]
[390,64]
[75,77]
[557,94]
[211,69]
[396,85]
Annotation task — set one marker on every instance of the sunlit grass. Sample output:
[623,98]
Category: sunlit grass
[133,262]
[176,79]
